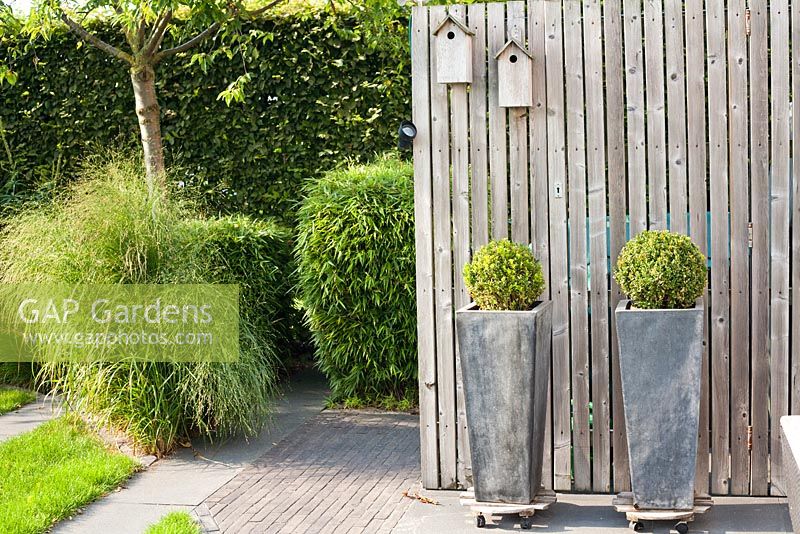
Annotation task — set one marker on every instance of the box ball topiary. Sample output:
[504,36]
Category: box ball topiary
[661,269]
[504,276]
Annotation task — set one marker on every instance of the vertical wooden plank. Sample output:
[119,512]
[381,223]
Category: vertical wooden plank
[634,93]
[739,251]
[476,14]
[617,199]
[656,113]
[559,289]
[540,227]
[497,127]
[518,140]
[676,120]
[598,245]
[459,156]
[578,301]
[759,204]
[477,126]
[794,382]
[718,174]
[696,141]
[779,256]
[423,218]
[443,266]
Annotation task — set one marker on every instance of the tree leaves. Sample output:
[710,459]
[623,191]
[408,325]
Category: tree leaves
[252,157]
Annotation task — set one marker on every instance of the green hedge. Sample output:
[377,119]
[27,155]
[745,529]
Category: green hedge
[324,89]
[355,255]
[107,230]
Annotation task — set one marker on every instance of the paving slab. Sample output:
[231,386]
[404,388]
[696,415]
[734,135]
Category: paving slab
[593,514]
[183,480]
[28,417]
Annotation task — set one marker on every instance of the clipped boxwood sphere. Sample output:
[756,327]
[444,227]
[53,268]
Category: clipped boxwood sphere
[504,276]
[661,269]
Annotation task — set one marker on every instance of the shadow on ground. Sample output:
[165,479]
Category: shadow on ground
[594,514]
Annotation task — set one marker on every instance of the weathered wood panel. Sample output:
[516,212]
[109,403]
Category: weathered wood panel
[598,246]
[616,142]
[518,139]
[578,282]
[498,156]
[423,215]
[443,271]
[720,284]
[459,157]
[697,167]
[794,378]
[540,224]
[676,118]
[739,249]
[779,226]
[635,112]
[478,139]
[759,207]
[617,198]
[656,114]
[559,283]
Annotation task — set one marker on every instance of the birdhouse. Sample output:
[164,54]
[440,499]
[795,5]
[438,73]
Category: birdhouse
[514,76]
[453,51]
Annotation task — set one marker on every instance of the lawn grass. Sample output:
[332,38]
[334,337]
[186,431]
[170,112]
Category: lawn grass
[175,523]
[52,471]
[13,398]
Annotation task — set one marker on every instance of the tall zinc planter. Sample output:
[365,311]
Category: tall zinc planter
[790,438]
[504,348]
[505,363]
[661,359]
[660,334]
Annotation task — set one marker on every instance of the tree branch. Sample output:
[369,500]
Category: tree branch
[159,30]
[96,41]
[261,10]
[209,32]
[191,43]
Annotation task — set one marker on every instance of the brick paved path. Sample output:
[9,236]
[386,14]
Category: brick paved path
[339,472]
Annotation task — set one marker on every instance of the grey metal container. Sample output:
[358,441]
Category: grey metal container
[505,363]
[661,358]
[790,430]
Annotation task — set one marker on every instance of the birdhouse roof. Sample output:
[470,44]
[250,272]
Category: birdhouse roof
[451,18]
[514,42]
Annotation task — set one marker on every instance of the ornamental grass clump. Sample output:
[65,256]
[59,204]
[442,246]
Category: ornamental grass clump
[661,270]
[356,264]
[504,276]
[107,229]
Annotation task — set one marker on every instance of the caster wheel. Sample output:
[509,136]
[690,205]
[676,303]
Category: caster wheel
[480,521]
[525,523]
[682,527]
[636,526]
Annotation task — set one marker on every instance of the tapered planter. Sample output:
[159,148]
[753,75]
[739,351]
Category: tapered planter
[660,358]
[505,363]
[790,430]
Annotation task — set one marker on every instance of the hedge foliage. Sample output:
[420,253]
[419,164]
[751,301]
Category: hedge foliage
[355,254]
[659,269]
[106,229]
[323,90]
[504,276]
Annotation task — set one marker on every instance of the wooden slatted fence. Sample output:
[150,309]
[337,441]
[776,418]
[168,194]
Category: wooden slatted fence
[646,114]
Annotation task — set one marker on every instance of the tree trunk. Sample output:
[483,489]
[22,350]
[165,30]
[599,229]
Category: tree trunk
[143,78]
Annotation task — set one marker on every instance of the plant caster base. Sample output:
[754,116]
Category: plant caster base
[624,503]
[485,510]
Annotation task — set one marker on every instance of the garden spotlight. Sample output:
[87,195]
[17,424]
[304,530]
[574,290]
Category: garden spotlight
[407,133]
